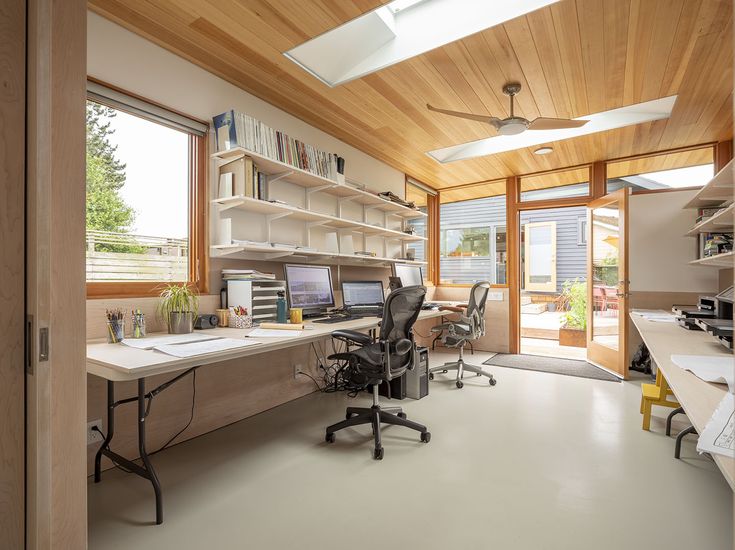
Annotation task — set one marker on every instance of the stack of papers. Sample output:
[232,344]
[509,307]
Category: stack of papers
[710,368]
[273,333]
[656,315]
[152,342]
[718,436]
[201,348]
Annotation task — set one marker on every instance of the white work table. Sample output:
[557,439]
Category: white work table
[120,363]
[698,398]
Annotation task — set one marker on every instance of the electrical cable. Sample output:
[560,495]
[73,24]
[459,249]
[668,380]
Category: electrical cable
[191,416]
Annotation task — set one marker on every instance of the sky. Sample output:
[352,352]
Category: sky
[157,175]
[683,177]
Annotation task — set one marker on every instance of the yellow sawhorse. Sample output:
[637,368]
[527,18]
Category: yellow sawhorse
[656,394]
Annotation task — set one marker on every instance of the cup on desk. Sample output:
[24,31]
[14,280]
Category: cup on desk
[296,315]
[239,321]
[115,331]
[223,317]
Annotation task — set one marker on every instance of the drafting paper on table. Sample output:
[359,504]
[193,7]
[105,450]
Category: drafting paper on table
[710,368]
[274,333]
[201,348]
[169,339]
[656,315]
[718,436]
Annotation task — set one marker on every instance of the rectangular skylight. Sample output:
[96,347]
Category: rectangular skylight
[638,113]
[398,31]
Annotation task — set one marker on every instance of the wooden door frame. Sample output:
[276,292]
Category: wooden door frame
[12,275]
[603,356]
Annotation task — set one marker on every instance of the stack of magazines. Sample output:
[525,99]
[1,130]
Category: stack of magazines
[245,275]
[235,129]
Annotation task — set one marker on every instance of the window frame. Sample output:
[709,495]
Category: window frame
[198,268]
[431,245]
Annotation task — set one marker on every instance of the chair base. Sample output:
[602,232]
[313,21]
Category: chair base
[375,416]
[460,366]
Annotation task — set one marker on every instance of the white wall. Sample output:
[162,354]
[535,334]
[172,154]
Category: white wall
[659,251]
[119,57]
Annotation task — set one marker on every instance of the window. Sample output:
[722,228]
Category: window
[421,197]
[556,185]
[145,196]
[668,171]
[582,231]
[473,243]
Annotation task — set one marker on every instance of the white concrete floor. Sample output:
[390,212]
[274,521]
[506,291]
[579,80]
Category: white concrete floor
[539,461]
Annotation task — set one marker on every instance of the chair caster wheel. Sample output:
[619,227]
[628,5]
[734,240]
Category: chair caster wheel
[445,371]
[492,381]
[426,437]
[330,437]
[431,376]
[348,416]
[478,374]
[460,384]
[402,415]
[378,453]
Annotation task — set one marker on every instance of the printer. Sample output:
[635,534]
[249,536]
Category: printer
[712,314]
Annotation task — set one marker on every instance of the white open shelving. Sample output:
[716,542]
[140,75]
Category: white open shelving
[726,259]
[717,191]
[722,222]
[270,212]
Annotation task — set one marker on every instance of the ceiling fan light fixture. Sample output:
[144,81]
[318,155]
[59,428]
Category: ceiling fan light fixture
[512,127]
[543,151]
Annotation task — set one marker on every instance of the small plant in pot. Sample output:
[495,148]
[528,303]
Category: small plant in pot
[574,330]
[178,306]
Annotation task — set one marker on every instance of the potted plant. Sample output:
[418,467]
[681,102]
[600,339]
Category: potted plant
[574,330]
[178,306]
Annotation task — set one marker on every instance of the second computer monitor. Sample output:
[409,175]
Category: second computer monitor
[410,275]
[309,287]
[362,293]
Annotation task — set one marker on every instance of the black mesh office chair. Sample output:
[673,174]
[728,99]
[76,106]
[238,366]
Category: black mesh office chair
[375,362]
[457,334]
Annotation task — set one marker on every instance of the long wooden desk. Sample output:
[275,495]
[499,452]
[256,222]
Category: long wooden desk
[120,363]
[698,398]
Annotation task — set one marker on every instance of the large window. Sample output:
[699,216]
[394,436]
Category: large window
[556,185]
[144,196]
[473,244]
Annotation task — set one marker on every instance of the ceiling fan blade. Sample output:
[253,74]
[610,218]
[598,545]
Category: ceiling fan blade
[543,123]
[480,118]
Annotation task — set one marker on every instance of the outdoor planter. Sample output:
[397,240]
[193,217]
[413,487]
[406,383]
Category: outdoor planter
[573,337]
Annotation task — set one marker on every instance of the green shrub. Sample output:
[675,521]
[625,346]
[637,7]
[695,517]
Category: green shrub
[575,294]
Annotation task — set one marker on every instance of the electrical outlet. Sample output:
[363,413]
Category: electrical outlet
[297,369]
[93,436]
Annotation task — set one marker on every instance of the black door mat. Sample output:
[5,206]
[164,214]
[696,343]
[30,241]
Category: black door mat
[554,365]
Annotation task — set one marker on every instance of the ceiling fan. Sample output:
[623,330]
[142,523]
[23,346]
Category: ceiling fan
[515,124]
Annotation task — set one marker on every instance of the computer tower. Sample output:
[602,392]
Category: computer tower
[397,388]
[417,379]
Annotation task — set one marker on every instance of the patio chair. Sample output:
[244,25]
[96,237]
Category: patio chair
[598,299]
[611,299]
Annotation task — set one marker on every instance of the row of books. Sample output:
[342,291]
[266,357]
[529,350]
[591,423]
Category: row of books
[234,129]
[241,177]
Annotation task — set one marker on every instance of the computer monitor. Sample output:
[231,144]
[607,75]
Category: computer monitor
[309,287]
[410,275]
[362,293]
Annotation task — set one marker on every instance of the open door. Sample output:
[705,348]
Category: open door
[540,256]
[607,288]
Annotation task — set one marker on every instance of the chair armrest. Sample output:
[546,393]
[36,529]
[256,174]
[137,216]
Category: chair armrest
[455,309]
[353,336]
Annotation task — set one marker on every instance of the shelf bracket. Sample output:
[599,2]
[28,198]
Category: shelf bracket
[275,255]
[229,205]
[277,177]
[270,218]
[309,191]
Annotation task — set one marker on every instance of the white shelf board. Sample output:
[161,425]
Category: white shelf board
[718,190]
[727,259]
[258,206]
[270,253]
[276,168]
[719,223]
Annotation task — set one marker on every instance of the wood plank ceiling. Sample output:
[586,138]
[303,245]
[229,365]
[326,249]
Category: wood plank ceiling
[573,58]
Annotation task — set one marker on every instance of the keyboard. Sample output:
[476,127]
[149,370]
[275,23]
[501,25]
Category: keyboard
[431,305]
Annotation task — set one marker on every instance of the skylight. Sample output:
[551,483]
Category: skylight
[398,31]
[598,122]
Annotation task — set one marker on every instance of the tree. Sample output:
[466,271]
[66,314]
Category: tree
[106,209]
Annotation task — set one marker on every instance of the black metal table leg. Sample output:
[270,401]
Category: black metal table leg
[110,430]
[144,454]
[680,437]
[672,414]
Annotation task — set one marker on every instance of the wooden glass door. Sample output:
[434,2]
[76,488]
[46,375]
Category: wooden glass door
[607,282]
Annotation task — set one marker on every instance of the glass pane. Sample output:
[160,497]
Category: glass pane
[540,253]
[556,185]
[668,171]
[472,241]
[420,198]
[137,198]
[605,275]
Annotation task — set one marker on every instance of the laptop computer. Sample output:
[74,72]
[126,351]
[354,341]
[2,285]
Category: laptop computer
[363,298]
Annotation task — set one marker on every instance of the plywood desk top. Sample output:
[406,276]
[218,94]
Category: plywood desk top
[119,363]
[699,398]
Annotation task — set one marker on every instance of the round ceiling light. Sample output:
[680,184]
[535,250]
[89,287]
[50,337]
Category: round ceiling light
[543,151]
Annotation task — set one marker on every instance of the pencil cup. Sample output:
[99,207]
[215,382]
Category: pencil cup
[115,331]
[240,321]
[222,317]
[138,326]
[297,315]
